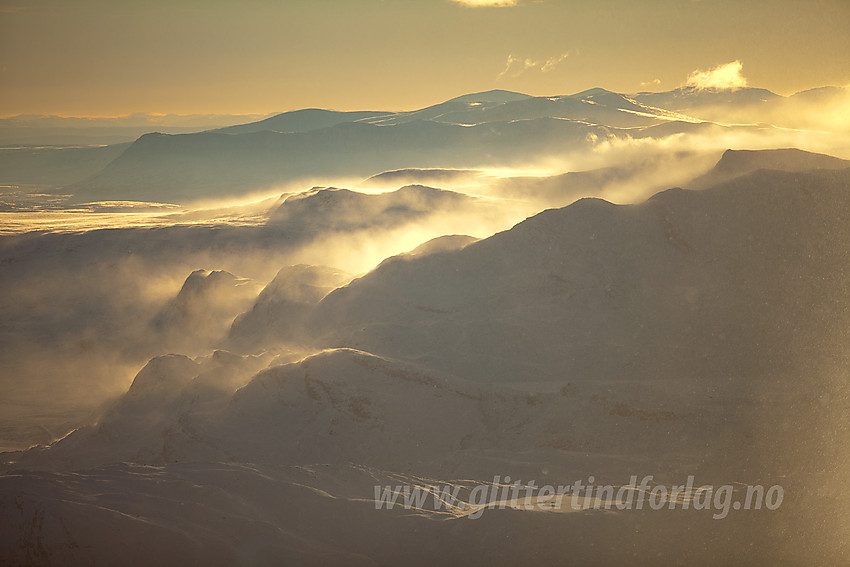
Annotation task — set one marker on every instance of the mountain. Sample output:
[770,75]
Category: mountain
[820,110]
[441,244]
[491,96]
[45,130]
[735,163]
[593,262]
[424,176]
[698,333]
[55,166]
[563,188]
[165,168]
[497,132]
[280,309]
[639,310]
[629,181]
[687,99]
[822,95]
[495,129]
[203,309]
[302,121]
[595,106]
[326,209]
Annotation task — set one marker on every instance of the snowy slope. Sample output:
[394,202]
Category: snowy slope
[548,293]
[697,332]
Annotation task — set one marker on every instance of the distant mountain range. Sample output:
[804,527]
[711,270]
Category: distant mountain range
[50,130]
[488,129]
[692,98]
[160,167]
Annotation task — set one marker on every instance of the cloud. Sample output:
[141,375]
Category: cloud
[487,3]
[652,83]
[516,66]
[726,76]
[553,62]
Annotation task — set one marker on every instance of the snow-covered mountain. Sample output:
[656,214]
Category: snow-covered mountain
[278,312]
[46,130]
[302,121]
[494,129]
[323,209]
[549,288]
[202,310]
[814,109]
[686,99]
[178,168]
[698,332]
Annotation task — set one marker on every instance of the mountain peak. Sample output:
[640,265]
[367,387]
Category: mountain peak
[496,95]
[784,159]
[735,163]
[594,92]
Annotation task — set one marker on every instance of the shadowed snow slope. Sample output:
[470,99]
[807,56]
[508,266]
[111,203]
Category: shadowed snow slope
[344,210]
[735,163]
[203,309]
[697,333]
[345,405]
[741,277]
[281,307]
[643,312]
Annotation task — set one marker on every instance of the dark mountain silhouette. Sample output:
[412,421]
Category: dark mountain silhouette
[735,163]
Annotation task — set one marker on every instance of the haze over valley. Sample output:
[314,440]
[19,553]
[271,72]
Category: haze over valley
[231,338]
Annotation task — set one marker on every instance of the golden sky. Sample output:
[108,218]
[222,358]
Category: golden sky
[111,57]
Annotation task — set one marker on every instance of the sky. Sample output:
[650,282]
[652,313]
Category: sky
[109,58]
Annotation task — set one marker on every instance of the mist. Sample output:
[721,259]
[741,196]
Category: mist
[265,323]
[113,299]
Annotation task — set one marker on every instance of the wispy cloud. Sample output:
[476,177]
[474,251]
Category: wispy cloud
[726,76]
[516,66]
[652,83]
[487,3]
[553,62]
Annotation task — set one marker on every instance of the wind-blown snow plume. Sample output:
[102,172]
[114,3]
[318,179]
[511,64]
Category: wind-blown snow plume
[726,76]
